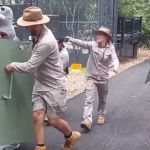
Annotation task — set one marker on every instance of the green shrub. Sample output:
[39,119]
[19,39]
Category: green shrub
[139,8]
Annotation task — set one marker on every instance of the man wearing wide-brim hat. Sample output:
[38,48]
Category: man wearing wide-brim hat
[102,56]
[50,82]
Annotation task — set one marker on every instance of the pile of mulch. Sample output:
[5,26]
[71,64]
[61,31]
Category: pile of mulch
[126,63]
[77,80]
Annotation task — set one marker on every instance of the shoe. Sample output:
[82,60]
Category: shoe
[101,119]
[40,148]
[86,124]
[71,141]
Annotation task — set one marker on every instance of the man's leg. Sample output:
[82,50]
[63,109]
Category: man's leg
[102,93]
[39,108]
[88,106]
[38,118]
[61,125]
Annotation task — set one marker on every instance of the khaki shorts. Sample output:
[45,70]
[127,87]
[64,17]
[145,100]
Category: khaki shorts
[45,102]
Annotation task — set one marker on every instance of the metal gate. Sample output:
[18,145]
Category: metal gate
[76,18]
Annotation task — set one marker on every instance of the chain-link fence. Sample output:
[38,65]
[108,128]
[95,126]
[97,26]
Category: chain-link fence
[76,18]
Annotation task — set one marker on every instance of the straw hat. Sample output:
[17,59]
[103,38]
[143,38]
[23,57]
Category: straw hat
[104,30]
[32,16]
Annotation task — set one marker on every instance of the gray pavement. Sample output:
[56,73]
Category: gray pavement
[128,116]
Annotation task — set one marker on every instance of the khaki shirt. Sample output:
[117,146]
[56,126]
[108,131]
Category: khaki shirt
[100,59]
[45,64]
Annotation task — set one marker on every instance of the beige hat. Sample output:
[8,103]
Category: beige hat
[104,30]
[32,16]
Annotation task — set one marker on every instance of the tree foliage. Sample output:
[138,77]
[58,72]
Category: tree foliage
[132,8]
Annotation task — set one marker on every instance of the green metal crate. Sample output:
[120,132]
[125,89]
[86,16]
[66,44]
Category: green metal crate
[15,96]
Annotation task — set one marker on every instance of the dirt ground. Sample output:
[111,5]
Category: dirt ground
[77,80]
[126,63]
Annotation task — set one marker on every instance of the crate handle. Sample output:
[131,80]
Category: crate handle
[9,96]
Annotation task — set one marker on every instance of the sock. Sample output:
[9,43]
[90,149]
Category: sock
[67,137]
[41,145]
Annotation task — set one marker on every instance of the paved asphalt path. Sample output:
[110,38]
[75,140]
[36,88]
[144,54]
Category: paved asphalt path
[128,116]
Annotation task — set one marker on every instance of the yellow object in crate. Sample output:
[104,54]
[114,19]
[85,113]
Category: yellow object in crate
[76,67]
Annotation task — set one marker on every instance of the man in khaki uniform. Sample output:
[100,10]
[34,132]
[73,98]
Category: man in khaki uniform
[102,56]
[49,91]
